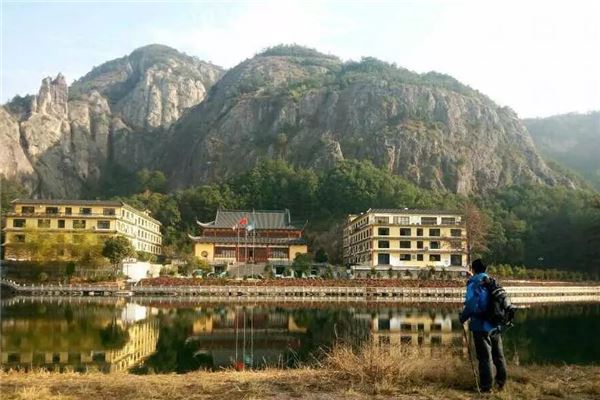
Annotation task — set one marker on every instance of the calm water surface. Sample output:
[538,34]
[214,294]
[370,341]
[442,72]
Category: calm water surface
[143,336]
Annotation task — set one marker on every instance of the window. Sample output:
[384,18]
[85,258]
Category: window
[79,224]
[85,211]
[419,257]
[404,257]
[434,232]
[18,223]
[435,257]
[51,210]
[382,220]
[383,231]
[419,244]
[68,210]
[405,244]
[61,223]
[456,232]
[448,220]
[434,245]
[383,244]
[383,259]
[108,211]
[405,231]
[28,210]
[43,223]
[401,220]
[429,220]
[19,238]
[456,260]
[103,225]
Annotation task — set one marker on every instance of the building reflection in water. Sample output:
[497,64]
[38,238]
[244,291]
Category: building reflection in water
[246,337]
[153,338]
[111,341]
[257,337]
[434,330]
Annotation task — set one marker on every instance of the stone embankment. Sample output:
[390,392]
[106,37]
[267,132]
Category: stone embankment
[519,294]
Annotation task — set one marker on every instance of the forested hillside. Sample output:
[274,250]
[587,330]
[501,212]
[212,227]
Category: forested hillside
[572,140]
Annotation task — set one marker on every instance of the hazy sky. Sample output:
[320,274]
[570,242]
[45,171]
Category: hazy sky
[540,58]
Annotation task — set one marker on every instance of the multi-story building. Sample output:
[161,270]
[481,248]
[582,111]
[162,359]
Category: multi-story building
[390,241]
[73,221]
[249,237]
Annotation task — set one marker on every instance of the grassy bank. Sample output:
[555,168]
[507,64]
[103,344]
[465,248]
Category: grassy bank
[369,372]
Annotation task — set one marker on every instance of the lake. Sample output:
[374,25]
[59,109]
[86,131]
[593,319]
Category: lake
[142,336]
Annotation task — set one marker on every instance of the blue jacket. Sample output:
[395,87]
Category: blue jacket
[476,302]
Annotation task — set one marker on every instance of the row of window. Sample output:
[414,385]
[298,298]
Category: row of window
[407,244]
[61,223]
[455,259]
[62,239]
[405,220]
[67,210]
[147,248]
[433,232]
[382,231]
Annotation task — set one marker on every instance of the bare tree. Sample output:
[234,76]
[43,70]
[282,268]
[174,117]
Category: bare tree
[477,225]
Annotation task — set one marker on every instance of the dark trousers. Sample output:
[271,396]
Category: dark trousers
[489,350]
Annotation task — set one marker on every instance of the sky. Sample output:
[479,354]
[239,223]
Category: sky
[539,58]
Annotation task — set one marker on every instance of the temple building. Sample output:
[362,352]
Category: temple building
[249,237]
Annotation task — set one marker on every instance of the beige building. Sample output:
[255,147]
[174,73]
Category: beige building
[391,241]
[73,221]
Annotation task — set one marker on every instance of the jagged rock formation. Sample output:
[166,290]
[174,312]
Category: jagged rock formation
[59,141]
[160,109]
[312,109]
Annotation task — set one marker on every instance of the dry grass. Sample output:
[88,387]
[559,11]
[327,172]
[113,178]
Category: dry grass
[382,369]
[369,372]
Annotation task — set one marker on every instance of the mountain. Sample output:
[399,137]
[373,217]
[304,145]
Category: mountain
[312,109]
[160,109]
[63,138]
[572,140]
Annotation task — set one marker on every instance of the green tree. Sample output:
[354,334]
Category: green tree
[116,249]
[302,264]
[321,255]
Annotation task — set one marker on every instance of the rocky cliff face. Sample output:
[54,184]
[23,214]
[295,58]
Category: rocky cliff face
[160,109]
[59,141]
[312,110]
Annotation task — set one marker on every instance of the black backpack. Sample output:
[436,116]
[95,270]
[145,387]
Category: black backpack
[500,311]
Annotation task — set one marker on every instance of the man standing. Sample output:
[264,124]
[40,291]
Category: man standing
[487,338]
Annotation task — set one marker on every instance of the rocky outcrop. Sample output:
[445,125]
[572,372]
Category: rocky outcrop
[314,110]
[161,109]
[61,139]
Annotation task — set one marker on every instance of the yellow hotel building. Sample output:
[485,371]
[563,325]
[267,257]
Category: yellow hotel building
[393,240]
[71,220]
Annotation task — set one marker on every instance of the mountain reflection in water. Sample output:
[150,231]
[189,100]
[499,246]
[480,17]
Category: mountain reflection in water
[115,335]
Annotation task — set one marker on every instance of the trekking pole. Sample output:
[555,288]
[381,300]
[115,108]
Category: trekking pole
[471,358]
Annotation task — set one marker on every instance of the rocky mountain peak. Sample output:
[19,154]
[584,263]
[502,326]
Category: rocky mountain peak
[53,96]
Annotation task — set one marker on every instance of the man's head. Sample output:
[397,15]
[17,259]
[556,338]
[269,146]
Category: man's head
[478,266]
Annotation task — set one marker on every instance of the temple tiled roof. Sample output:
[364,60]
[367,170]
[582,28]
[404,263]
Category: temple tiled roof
[247,240]
[258,219]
